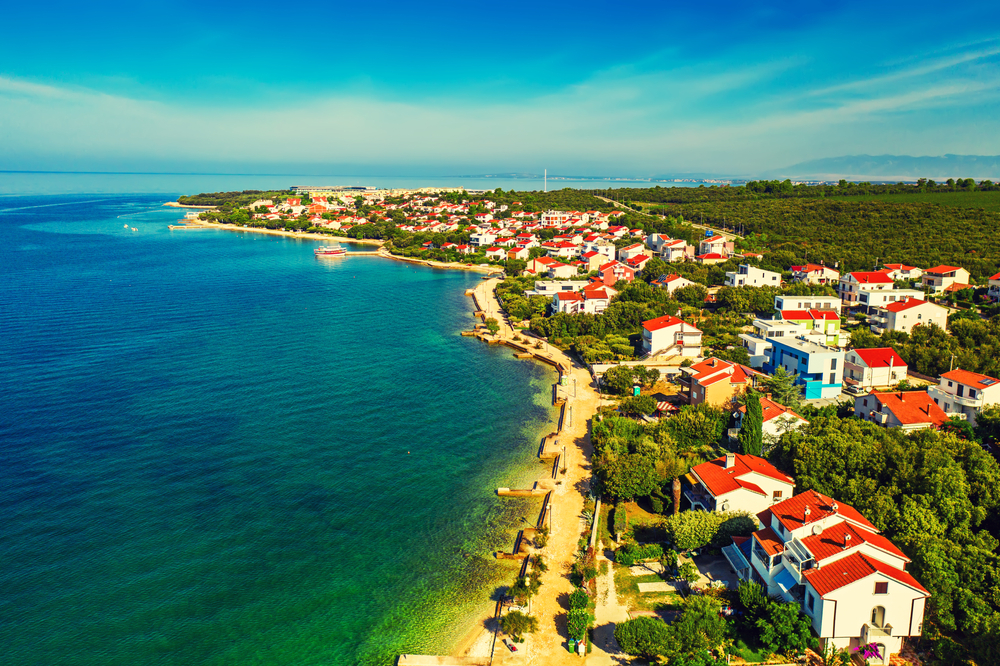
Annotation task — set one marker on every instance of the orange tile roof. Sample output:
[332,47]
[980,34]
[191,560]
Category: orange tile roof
[791,512]
[939,270]
[770,541]
[853,568]
[719,480]
[973,379]
[912,407]
[832,541]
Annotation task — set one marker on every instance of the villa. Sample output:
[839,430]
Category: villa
[751,276]
[815,274]
[849,580]
[868,368]
[736,482]
[940,278]
[670,334]
[717,382]
[909,410]
[904,315]
[820,368]
[963,392]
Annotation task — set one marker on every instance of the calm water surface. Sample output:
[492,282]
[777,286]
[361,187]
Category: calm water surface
[218,449]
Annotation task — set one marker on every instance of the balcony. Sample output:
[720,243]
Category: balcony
[872,634]
[944,396]
[698,495]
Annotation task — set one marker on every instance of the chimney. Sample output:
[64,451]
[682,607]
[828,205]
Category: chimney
[730,460]
[807,512]
[847,541]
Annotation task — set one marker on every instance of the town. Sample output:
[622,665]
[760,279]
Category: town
[769,442]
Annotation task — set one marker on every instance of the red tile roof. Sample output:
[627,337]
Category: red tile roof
[995,277]
[899,306]
[791,512]
[973,379]
[871,277]
[710,255]
[661,322]
[853,568]
[719,480]
[882,357]
[939,270]
[773,410]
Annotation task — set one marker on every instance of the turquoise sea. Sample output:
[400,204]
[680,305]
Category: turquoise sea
[218,449]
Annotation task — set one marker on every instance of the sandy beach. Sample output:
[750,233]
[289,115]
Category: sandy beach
[548,645]
[339,239]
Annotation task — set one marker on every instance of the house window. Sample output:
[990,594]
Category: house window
[972,393]
[777,495]
[881,588]
[810,601]
[949,384]
[833,364]
[961,390]
[866,402]
[833,377]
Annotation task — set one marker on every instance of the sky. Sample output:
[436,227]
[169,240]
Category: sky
[449,88]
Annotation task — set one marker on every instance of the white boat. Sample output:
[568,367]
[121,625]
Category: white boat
[335,250]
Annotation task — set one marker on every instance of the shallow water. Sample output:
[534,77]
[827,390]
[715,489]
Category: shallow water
[218,449]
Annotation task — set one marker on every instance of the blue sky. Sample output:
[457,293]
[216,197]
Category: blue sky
[451,88]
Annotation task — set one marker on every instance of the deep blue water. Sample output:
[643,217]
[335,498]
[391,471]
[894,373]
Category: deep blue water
[218,449]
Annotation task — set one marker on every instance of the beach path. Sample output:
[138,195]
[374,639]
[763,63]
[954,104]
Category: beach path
[549,644]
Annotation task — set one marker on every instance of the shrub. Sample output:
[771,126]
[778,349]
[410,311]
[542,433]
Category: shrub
[783,629]
[578,622]
[752,597]
[516,623]
[694,529]
[644,637]
[579,599]
[631,553]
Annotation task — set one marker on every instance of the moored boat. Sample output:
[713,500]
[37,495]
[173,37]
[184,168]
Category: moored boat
[334,250]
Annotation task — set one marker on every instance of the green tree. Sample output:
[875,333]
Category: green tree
[641,404]
[783,628]
[783,388]
[625,477]
[751,435]
[699,628]
[643,636]
[493,325]
[693,295]
[653,269]
[619,380]
[516,624]
[988,425]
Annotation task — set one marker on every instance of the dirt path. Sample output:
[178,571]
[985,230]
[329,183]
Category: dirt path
[549,645]
[608,614]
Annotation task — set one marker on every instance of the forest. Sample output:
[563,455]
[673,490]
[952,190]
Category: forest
[934,495]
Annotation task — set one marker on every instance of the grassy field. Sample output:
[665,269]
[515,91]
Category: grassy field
[985,200]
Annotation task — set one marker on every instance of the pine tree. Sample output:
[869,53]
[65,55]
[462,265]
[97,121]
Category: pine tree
[752,433]
[783,388]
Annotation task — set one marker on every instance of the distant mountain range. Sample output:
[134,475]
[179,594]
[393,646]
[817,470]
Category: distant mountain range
[892,168]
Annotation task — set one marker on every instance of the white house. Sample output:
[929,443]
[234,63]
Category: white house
[994,290]
[561,271]
[903,272]
[904,315]
[782,303]
[630,251]
[481,238]
[883,297]
[677,250]
[751,276]
[963,392]
[909,410]
[852,284]
[672,282]
[668,333]
[815,274]
[552,287]
[778,419]
[736,482]
[868,368]
[716,245]
[496,253]
[850,580]
[940,278]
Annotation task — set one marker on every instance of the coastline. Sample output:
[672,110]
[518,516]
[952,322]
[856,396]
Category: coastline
[174,204]
[566,506]
[340,239]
